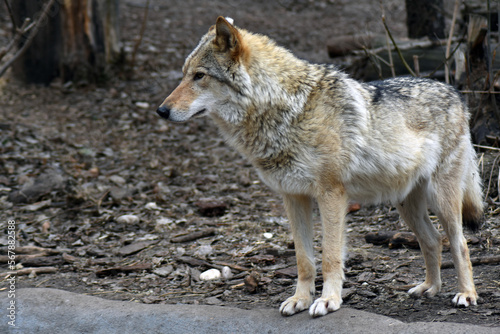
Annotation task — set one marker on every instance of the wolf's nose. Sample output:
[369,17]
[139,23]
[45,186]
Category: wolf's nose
[163,112]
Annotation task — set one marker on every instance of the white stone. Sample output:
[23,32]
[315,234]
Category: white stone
[142,105]
[128,219]
[164,221]
[118,180]
[210,275]
[226,272]
[268,235]
[152,206]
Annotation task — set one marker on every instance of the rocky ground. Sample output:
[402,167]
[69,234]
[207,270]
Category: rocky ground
[111,201]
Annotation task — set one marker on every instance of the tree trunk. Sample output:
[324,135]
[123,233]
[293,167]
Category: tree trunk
[485,113]
[77,42]
[425,18]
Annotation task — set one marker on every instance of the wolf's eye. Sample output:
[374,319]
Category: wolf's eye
[199,76]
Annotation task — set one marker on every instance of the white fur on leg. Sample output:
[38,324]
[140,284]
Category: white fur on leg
[464,299]
[294,305]
[425,289]
[323,306]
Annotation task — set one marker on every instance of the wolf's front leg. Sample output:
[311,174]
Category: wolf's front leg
[333,208]
[299,210]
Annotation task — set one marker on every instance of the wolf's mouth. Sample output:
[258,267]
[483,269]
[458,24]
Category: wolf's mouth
[201,112]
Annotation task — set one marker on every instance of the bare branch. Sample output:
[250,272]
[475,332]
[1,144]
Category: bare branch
[397,48]
[9,9]
[448,43]
[389,51]
[33,30]
[141,34]
[23,30]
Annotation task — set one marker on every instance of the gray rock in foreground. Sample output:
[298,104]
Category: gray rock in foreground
[57,311]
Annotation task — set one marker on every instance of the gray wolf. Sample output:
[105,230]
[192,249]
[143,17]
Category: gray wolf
[313,133]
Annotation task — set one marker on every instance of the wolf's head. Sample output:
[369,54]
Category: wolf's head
[213,76]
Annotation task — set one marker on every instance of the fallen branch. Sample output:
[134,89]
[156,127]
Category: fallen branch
[32,250]
[138,267]
[393,239]
[22,257]
[193,236]
[476,261]
[30,271]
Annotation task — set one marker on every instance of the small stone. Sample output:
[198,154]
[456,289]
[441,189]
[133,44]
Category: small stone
[210,275]
[127,219]
[93,172]
[108,151]
[118,194]
[135,247]
[226,273]
[164,271]
[45,227]
[142,105]
[164,221]
[252,282]
[118,180]
[163,224]
[213,301]
[268,235]
[209,207]
[152,206]
[204,250]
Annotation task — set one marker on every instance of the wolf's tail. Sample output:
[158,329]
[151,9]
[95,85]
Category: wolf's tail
[472,202]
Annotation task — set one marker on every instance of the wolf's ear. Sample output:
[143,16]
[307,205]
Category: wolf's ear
[227,38]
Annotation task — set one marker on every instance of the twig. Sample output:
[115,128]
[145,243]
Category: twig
[416,65]
[141,34]
[29,250]
[448,43]
[375,64]
[389,53]
[24,29]
[487,147]
[397,48]
[491,177]
[9,9]
[32,34]
[99,201]
[412,44]
[447,59]
[478,92]
[30,271]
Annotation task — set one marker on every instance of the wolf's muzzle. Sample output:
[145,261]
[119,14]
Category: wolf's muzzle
[163,112]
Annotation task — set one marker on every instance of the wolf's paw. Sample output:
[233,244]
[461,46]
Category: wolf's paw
[323,306]
[424,289]
[294,305]
[465,299]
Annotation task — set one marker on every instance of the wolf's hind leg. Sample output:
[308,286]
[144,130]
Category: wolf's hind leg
[449,212]
[413,210]
[299,210]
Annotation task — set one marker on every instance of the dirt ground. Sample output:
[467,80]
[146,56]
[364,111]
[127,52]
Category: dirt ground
[126,206]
